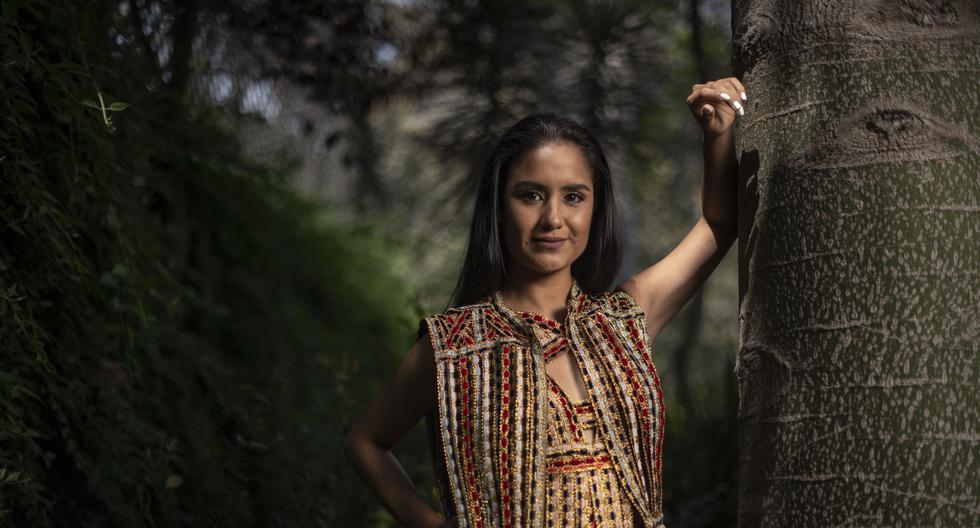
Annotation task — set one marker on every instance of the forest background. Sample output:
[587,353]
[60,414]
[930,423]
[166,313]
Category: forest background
[221,222]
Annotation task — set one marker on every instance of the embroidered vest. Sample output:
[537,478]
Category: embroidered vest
[488,430]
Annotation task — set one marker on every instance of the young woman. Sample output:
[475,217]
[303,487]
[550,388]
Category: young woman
[543,402]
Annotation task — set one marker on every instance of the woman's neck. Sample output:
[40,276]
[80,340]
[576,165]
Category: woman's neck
[542,294]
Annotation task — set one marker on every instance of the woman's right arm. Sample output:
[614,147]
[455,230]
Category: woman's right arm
[407,397]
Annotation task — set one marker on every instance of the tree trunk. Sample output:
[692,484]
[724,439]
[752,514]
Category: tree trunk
[858,263]
[176,211]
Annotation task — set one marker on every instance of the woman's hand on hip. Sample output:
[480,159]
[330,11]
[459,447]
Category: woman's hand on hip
[449,523]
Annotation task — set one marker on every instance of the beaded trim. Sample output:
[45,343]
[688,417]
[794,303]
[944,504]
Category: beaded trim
[493,405]
[570,464]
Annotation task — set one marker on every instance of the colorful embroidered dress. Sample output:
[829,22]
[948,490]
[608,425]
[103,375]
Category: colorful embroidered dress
[509,446]
[582,487]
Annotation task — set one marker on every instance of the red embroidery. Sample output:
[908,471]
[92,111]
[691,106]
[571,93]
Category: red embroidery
[504,413]
[469,474]
[611,334]
[566,407]
[578,463]
[630,374]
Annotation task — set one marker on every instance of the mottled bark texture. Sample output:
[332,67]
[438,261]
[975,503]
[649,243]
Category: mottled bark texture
[858,258]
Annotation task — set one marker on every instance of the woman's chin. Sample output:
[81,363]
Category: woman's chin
[549,265]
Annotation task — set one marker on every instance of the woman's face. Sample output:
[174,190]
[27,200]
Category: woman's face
[548,195]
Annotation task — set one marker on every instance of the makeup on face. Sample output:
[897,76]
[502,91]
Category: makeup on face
[548,242]
[550,207]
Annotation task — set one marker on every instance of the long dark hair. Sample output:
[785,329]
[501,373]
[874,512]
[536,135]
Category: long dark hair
[484,267]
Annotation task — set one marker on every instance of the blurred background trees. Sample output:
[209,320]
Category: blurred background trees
[222,220]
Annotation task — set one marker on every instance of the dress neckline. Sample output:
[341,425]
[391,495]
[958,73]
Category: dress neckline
[573,303]
[587,402]
[529,320]
[542,321]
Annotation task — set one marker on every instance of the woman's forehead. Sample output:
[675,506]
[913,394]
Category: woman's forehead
[553,165]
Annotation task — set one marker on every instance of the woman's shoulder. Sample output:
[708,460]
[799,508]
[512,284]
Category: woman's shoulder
[454,312]
[451,322]
[616,303]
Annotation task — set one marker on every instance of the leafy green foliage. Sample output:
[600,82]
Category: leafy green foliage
[133,395]
[702,446]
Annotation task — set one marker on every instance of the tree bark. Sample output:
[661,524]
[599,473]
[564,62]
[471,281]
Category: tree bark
[858,263]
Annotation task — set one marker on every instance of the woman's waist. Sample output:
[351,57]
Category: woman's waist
[570,457]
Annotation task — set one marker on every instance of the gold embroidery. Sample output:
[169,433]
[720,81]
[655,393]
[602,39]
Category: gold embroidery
[520,457]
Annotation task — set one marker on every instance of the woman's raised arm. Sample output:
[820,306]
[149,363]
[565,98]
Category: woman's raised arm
[665,287]
[407,397]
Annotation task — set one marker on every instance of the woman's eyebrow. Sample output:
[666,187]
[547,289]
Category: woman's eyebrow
[569,187]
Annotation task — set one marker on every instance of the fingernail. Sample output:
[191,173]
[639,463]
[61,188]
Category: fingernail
[743,97]
[737,105]
[725,96]
[741,111]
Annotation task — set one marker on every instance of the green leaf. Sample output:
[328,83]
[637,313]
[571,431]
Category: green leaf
[118,106]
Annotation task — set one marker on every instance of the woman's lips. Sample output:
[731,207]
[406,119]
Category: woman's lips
[548,243]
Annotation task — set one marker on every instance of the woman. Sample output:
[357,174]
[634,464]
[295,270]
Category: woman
[543,402]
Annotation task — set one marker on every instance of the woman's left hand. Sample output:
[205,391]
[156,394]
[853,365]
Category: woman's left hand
[716,104]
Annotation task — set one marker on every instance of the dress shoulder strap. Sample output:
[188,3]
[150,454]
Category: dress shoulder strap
[453,330]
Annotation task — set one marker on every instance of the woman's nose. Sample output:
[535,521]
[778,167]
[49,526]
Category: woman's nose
[551,216]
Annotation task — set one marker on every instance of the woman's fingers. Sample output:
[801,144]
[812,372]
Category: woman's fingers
[740,87]
[736,92]
[705,94]
[708,103]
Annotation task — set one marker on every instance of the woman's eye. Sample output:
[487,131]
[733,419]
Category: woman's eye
[574,197]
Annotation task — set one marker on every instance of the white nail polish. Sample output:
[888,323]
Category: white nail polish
[743,97]
[737,105]
[725,96]
[741,111]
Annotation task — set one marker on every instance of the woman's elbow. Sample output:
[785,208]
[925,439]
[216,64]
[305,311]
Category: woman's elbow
[351,442]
